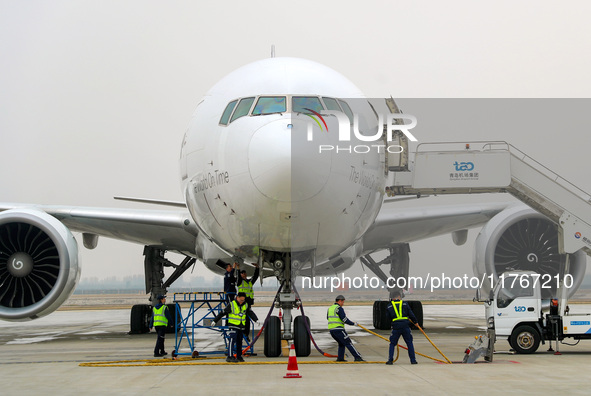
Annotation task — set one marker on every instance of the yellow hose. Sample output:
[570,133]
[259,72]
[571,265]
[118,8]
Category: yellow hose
[418,353]
[434,346]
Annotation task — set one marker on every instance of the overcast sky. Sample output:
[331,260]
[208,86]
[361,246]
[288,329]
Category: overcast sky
[95,95]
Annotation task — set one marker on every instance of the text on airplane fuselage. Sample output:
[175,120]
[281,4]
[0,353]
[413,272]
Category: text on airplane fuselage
[363,178]
[210,180]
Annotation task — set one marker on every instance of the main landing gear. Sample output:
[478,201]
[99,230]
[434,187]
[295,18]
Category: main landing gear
[154,264]
[399,261]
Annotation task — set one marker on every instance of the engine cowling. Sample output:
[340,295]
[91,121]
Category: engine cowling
[519,238]
[38,264]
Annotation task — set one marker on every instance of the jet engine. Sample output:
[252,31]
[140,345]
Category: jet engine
[38,264]
[519,238]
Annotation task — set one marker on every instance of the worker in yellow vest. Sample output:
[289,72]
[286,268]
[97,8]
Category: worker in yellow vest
[160,319]
[399,313]
[245,286]
[238,312]
[336,325]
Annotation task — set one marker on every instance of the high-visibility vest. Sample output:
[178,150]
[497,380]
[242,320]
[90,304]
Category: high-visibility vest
[246,288]
[237,316]
[334,322]
[398,311]
[159,316]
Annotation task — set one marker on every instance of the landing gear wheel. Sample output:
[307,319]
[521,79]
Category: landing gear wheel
[195,355]
[301,338]
[173,355]
[172,308]
[139,319]
[380,317]
[525,339]
[273,337]
[416,308]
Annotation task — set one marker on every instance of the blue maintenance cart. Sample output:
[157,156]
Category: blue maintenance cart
[203,307]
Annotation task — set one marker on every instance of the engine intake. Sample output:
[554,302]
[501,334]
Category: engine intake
[519,238]
[38,264]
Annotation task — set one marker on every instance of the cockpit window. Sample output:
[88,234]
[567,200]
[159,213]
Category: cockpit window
[269,105]
[346,109]
[300,104]
[227,112]
[331,104]
[242,109]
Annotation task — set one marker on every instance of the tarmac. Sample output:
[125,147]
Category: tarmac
[45,357]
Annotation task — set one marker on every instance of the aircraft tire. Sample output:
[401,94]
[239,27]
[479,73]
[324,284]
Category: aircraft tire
[273,337]
[417,309]
[172,309]
[380,317]
[301,337]
[139,319]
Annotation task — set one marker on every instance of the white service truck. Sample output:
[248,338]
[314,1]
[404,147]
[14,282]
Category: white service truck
[516,311]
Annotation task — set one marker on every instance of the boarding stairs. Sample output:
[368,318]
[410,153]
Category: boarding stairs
[443,168]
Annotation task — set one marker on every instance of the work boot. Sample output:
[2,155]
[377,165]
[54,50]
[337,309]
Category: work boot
[158,355]
[231,359]
[240,359]
[164,353]
[415,362]
[341,360]
[389,362]
[359,359]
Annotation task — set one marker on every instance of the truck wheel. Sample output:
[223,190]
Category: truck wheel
[511,343]
[525,339]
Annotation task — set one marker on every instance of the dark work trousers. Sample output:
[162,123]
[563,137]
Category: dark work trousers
[159,348]
[235,345]
[407,335]
[342,338]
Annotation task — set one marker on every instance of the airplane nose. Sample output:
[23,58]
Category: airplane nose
[283,165]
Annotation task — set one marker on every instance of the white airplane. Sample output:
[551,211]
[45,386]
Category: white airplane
[267,177]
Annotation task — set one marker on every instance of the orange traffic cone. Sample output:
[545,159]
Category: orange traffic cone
[292,365]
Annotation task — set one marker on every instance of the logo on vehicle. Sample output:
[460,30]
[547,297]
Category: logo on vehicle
[464,166]
[577,235]
[520,309]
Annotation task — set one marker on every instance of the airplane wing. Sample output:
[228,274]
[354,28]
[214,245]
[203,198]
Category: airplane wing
[168,229]
[393,225]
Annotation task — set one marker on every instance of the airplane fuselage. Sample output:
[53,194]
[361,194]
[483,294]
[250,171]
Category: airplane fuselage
[254,176]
